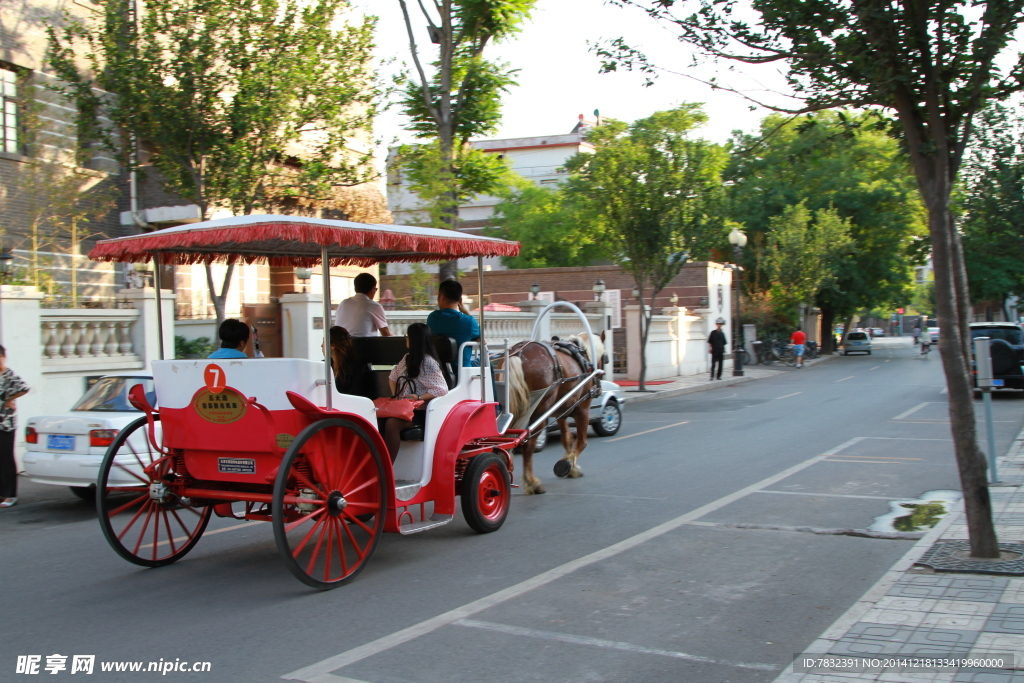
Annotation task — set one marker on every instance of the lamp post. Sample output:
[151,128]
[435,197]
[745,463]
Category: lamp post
[534,291]
[674,300]
[599,289]
[303,274]
[738,240]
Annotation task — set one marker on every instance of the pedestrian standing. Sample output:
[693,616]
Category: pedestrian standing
[716,347]
[798,339]
[12,387]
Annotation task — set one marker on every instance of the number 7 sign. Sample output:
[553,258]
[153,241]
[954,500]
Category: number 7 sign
[215,378]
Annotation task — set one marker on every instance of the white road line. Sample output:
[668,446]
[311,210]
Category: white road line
[233,527]
[331,678]
[867,462]
[648,431]
[603,495]
[308,673]
[606,644]
[787,395]
[843,446]
[827,495]
[845,378]
[874,368]
[914,410]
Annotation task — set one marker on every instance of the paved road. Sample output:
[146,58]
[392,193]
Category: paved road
[675,559]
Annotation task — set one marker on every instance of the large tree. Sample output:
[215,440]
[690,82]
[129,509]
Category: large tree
[653,191]
[242,102]
[936,64]
[992,205]
[843,160]
[452,96]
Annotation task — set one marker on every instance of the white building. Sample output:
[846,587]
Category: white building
[540,159]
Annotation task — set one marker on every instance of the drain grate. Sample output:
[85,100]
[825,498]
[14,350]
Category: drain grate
[943,557]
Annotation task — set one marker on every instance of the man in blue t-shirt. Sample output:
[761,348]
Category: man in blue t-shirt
[234,337]
[451,319]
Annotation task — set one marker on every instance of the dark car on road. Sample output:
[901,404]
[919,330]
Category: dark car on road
[1007,351]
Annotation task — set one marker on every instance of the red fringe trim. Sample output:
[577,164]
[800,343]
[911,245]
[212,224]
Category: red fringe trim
[228,245]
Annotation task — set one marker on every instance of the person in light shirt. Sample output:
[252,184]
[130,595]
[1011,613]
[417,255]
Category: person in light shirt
[360,314]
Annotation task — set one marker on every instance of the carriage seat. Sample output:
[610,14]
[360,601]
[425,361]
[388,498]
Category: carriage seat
[378,351]
[447,353]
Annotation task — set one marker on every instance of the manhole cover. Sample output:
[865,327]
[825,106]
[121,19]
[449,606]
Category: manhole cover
[952,556]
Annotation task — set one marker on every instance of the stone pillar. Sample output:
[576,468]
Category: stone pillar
[535,307]
[299,312]
[604,310]
[21,337]
[634,341]
[145,337]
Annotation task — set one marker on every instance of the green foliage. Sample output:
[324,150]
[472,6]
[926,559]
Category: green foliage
[652,192]
[841,160]
[992,202]
[552,231]
[923,299]
[458,99]
[200,347]
[226,93]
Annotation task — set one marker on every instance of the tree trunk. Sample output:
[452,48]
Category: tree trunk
[825,330]
[846,328]
[219,299]
[952,306]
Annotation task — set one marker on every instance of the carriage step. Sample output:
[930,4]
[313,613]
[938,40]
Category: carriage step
[405,489]
[434,522]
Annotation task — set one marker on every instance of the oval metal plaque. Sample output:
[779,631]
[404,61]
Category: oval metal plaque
[220,408]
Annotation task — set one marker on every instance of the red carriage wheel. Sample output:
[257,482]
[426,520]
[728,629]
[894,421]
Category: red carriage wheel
[141,517]
[329,503]
[486,492]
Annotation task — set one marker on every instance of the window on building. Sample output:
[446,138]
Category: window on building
[9,106]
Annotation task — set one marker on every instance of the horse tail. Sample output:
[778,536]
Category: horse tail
[519,393]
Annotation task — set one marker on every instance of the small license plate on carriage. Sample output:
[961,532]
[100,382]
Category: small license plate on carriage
[60,442]
[236,465]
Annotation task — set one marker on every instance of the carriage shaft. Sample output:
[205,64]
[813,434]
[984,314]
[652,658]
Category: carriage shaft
[543,419]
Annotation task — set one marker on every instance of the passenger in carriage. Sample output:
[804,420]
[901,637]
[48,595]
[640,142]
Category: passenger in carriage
[451,318]
[349,373]
[234,337]
[360,314]
[417,376]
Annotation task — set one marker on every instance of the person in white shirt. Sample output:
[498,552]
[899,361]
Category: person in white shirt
[360,314]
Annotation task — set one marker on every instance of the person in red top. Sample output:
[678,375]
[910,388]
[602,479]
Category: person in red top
[798,340]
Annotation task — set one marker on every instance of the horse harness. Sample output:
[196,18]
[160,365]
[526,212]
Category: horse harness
[574,351]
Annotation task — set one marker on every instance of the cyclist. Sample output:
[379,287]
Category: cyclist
[926,341]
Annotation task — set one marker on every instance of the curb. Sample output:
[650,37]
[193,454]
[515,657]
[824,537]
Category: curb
[637,397]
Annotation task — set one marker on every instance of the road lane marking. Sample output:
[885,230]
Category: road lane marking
[630,436]
[874,368]
[787,395]
[845,378]
[233,527]
[385,643]
[601,643]
[879,457]
[844,446]
[914,409]
[603,495]
[331,678]
[827,495]
[867,462]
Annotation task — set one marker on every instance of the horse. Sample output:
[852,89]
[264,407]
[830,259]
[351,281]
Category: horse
[534,368]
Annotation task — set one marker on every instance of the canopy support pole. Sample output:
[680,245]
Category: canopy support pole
[325,267]
[159,305]
[485,358]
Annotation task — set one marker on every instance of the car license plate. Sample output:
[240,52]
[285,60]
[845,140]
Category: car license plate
[997,382]
[60,442]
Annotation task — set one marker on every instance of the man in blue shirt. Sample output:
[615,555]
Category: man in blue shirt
[234,337]
[451,318]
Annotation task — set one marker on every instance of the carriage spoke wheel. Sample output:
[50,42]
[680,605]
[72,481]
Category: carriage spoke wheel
[486,492]
[142,519]
[329,503]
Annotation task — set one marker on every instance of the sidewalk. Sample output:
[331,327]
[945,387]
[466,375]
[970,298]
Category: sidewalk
[694,383]
[915,612]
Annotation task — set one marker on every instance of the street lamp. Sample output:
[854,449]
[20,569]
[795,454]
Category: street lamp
[738,240]
[534,291]
[636,293]
[674,300]
[599,289]
[303,274]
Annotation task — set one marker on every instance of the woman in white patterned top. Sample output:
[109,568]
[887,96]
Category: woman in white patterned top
[11,387]
[417,376]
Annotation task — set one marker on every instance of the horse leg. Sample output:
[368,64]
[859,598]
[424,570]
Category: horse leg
[581,416]
[564,466]
[531,484]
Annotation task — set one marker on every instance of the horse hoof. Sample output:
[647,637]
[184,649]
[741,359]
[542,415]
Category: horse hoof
[533,490]
[562,468]
[575,473]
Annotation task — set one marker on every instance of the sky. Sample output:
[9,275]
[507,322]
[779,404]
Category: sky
[559,79]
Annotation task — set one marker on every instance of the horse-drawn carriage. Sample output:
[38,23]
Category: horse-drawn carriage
[273,440]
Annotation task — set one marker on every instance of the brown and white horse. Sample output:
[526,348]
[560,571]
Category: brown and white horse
[534,367]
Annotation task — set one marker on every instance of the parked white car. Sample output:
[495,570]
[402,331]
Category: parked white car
[605,414]
[67,449]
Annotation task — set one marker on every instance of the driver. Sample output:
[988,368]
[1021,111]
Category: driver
[234,337]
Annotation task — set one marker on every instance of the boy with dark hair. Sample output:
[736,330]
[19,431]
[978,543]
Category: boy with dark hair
[234,337]
[451,319]
[360,314]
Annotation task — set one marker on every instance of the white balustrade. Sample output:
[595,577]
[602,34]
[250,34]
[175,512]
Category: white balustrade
[75,339]
[500,325]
